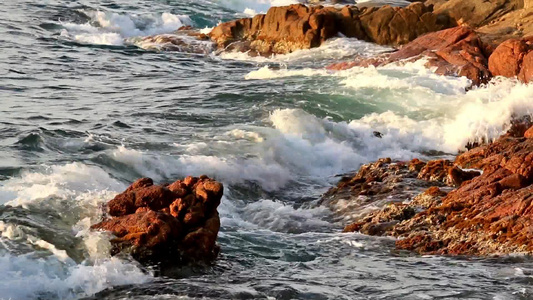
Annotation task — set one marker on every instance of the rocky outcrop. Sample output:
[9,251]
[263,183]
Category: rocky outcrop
[289,28]
[380,183]
[174,224]
[476,13]
[455,51]
[487,214]
[513,58]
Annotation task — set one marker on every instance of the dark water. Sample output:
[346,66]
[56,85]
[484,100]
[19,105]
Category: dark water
[85,109]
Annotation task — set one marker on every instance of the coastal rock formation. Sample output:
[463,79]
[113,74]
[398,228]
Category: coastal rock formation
[513,58]
[174,224]
[455,51]
[382,182]
[289,28]
[489,213]
[476,13]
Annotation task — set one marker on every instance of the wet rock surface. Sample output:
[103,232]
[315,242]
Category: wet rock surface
[489,213]
[289,28]
[377,184]
[455,51]
[175,224]
[513,58]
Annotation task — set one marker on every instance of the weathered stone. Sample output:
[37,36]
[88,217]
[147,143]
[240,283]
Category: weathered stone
[175,225]
[454,51]
[487,214]
[289,28]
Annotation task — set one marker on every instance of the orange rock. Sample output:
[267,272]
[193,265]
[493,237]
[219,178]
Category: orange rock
[529,133]
[288,28]
[159,224]
[454,51]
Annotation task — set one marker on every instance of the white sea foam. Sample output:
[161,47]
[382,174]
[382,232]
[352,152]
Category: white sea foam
[253,7]
[109,28]
[334,49]
[77,183]
[53,278]
[75,188]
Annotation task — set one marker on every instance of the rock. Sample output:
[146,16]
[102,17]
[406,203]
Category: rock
[510,59]
[384,182]
[148,235]
[397,26]
[489,213]
[455,51]
[286,29]
[529,133]
[476,13]
[176,224]
[435,170]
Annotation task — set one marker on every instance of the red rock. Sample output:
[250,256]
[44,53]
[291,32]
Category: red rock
[526,70]
[140,183]
[529,133]
[154,225]
[506,60]
[487,214]
[416,165]
[122,204]
[289,28]
[151,233]
[454,51]
[155,197]
[435,170]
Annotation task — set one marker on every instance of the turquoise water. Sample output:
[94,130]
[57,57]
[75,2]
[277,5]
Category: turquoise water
[86,109]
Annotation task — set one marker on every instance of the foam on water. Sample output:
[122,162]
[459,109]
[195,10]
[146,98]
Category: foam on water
[110,28]
[335,48]
[252,7]
[428,111]
[52,278]
[81,184]
[53,274]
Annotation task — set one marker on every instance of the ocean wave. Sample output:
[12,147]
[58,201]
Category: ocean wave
[334,49]
[55,279]
[110,28]
[252,7]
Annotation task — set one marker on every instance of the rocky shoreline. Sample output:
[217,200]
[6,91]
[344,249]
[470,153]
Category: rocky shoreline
[479,204]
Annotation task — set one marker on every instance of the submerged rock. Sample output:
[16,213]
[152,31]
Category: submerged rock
[489,213]
[289,28]
[174,224]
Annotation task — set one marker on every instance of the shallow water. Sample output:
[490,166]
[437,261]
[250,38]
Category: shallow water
[85,110]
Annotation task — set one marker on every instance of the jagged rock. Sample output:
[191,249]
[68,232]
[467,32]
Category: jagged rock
[487,214]
[289,28]
[374,185]
[454,51]
[173,224]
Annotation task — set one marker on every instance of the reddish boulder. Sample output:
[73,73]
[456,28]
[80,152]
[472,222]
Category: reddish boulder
[509,59]
[175,224]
